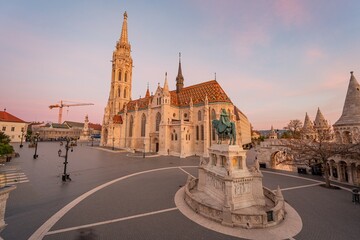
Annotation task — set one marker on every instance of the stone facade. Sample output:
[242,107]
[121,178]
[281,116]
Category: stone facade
[170,122]
[346,130]
[12,126]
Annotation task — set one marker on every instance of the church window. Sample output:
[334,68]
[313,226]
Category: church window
[213,114]
[143,125]
[125,76]
[175,136]
[199,115]
[119,77]
[159,100]
[125,93]
[118,91]
[197,132]
[158,119]
[131,125]
[189,137]
[202,132]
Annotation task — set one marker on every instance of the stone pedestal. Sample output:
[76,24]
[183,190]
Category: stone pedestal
[4,195]
[230,193]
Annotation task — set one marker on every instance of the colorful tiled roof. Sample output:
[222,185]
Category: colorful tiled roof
[197,92]
[7,117]
[141,102]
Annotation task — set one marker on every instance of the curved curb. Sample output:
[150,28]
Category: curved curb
[44,229]
[290,227]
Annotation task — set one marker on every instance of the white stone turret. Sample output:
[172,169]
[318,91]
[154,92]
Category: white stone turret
[347,127]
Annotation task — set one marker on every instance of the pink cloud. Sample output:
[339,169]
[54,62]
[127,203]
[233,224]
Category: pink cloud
[291,12]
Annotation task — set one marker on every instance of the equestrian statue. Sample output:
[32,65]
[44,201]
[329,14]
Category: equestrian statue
[225,128]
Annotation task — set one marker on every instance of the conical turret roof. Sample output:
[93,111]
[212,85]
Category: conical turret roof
[351,110]
[308,125]
[320,121]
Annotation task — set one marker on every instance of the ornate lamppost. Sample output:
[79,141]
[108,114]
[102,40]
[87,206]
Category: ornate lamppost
[22,137]
[36,140]
[68,145]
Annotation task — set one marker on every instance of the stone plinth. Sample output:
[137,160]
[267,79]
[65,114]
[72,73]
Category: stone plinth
[230,193]
[4,195]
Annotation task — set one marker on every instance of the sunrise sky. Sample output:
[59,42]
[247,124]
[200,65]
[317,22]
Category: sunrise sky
[276,60]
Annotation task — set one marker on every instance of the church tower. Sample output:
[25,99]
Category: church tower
[121,82]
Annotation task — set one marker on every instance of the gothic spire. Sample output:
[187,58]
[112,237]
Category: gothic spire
[351,109]
[166,87]
[123,43]
[124,31]
[179,78]
[147,94]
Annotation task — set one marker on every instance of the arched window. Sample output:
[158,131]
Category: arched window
[118,92]
[131,126]
[119,77]
[213,114]
[197,132]
[143,124]
[158,119]
[199,115]
[175,136]
[125,76]
[202,132]
[125,90]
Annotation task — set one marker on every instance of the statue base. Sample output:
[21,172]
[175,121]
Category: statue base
[229,193]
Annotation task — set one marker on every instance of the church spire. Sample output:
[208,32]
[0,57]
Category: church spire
[147,94]
[179,78]
[166,87]
[123,43]
[351,109]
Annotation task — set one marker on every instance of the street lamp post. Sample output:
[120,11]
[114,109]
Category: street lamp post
[92,141]
[22,136]
[68,146]
[144,149]
[113,147]
[36,139]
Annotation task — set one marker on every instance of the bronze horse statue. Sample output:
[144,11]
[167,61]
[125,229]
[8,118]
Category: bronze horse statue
[225,128]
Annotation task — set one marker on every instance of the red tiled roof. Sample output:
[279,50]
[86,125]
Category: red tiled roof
[117,119]
[141,102]
[197,92]
[95,126]
[7,117]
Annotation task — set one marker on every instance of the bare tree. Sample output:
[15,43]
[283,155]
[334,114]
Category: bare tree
[294,127]
[318,151]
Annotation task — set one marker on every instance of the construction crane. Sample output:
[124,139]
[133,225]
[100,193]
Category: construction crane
[62,104]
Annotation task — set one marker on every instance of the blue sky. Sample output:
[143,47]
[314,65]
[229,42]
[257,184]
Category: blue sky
[275,59]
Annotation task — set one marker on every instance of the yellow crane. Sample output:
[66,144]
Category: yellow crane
[62,104]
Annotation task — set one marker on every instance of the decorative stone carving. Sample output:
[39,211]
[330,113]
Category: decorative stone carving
[229,193]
